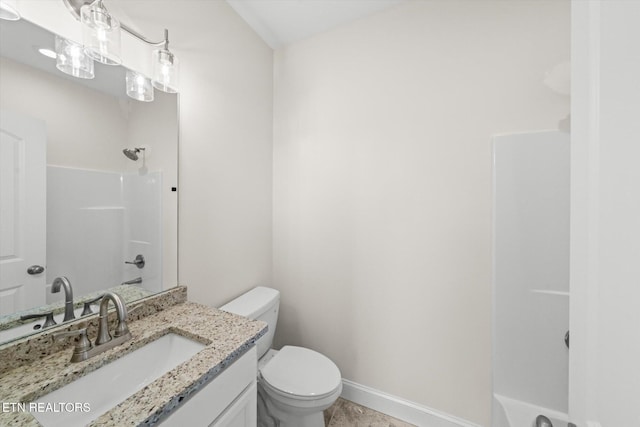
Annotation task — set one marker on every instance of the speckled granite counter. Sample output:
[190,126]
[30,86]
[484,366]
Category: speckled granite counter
[32,348]
[226,336]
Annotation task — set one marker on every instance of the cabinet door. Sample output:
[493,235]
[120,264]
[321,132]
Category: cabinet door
[213,402]
[242,412]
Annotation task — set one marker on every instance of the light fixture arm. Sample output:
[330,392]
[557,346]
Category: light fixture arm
[75,5]
[104,46]
[140,37]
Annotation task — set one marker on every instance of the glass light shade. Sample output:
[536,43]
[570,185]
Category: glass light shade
[100,33]
[165,71]
[71,59]
[9,10]
[139,87]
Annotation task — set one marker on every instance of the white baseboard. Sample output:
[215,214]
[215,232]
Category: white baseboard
[401,409]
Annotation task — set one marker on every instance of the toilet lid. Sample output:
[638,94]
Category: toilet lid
[301,372]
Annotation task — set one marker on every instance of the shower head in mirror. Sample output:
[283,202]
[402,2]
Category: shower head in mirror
[132,153]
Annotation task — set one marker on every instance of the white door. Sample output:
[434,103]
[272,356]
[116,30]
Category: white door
[22,211]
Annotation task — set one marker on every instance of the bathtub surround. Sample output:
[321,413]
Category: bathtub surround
[530,276]
[118,216]
[511,413]
[382,187]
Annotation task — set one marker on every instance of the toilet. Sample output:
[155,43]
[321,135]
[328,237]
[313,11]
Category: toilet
[295,384]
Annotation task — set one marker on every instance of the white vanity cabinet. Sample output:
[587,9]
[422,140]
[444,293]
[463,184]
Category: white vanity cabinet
[229,400]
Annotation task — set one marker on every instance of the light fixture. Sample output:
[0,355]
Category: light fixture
[9,10]
[71,59]
[139,87]
[101,35]
[165,68]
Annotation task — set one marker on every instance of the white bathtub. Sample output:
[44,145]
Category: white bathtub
[508,412]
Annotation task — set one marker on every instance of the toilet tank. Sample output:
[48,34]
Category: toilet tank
[258,304]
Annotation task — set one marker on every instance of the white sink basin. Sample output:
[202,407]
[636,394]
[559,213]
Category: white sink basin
[113,383]
[27,328]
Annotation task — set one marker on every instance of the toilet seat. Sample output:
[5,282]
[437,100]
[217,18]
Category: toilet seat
[301,373]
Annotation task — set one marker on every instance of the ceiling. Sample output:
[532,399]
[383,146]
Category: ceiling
[282,22]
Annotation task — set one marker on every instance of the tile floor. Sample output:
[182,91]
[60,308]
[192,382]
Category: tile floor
[345,413]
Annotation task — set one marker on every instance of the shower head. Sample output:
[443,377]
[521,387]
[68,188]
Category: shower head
[132,153]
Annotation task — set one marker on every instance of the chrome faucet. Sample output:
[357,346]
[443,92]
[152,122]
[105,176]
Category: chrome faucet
[84,349]
[103,326]
[68,296]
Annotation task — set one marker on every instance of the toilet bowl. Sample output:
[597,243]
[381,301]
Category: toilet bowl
[295,384]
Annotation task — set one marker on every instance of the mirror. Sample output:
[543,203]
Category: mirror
[73,203]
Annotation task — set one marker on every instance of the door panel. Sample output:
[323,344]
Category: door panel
[22,211]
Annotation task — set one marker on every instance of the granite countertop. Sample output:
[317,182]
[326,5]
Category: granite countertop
[226,336]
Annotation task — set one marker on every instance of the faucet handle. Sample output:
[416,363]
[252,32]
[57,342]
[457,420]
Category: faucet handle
[138,261]
[87,305]
[82,344]
[49,321]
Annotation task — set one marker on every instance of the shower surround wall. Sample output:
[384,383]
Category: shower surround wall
[530,277]
[115,215]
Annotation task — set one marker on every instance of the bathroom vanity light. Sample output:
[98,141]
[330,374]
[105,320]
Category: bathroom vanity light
[165,68]
[100,33]
[139,87]
[9,10]
[101,38]
[71,59]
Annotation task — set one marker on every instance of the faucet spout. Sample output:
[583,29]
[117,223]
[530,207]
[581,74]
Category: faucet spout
[103,325]
[68,296]
[135,281]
